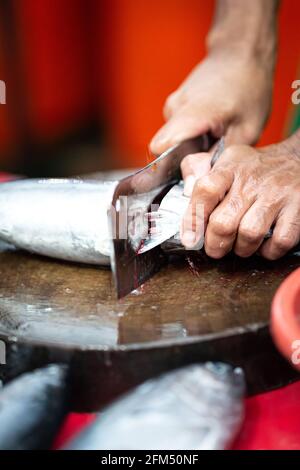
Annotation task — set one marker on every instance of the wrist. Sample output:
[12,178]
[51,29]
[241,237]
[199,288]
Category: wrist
[262,52]
[292,144]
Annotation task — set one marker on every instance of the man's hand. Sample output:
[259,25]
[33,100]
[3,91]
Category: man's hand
[230,92]
[220,96]
[248,192]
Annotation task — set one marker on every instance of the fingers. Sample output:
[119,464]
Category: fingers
[181,126]
[193,167]
[173,103]
[286,234]
[254,226]
[234,223]
[208,192]
[186,120]
[223,224]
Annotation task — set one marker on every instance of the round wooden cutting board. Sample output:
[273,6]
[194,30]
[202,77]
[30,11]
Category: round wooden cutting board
[193,310]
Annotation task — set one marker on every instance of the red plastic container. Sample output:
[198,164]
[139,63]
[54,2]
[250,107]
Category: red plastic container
[285,319]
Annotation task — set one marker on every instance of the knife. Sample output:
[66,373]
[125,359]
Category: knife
[128,221]
[165,221]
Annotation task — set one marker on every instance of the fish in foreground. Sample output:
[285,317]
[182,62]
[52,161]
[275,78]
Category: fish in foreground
[193,408]
[32,408]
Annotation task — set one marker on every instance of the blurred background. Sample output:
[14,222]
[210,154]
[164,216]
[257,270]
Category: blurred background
[86,79]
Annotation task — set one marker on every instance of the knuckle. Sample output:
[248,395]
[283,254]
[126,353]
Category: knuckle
[172,102]
[250,234]
[283,244]
[187,163]
[221,226]
[206,186]
[231,152]
[249,134]
[235,153]
[235,204]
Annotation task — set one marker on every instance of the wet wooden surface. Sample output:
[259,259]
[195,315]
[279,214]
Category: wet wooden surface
[181,315]
[74,305]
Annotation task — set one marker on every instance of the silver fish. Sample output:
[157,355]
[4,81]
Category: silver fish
[32,408]
[60,218]
[198,407]
[68,218]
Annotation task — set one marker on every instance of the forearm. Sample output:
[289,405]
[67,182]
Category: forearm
[245,26]
[230,92]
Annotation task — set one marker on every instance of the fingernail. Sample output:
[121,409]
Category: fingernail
[189,239]
[189,184]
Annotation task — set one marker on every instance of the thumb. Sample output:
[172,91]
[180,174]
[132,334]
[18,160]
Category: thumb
[193,167]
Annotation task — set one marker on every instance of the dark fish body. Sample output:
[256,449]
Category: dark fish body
[193,408]
[32,408]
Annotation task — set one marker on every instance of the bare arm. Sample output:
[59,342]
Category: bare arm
[230,92]
[250,26]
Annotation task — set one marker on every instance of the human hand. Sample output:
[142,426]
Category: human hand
[248,192]
[219,96]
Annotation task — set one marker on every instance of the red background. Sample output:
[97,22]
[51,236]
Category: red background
[118,60]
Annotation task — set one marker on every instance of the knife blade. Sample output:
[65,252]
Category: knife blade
[165,221]
[132,199]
